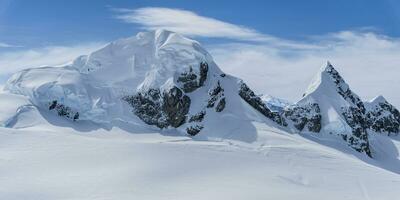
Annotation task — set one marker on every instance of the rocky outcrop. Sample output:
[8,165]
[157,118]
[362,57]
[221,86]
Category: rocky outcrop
[167,109]
[217,96]
[147,106]
[175,106]
[382,117]
[194,130]
[191,81]
[63,110]
[359,138]
[255,101]
[221,105]
[305,116]
[197,117]
[195,123]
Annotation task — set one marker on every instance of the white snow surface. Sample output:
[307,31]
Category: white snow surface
[59,159]
[111,154]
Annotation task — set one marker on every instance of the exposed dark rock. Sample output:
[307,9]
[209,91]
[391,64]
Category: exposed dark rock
[191,81]
[53,105]
[203,73]
[215,94]
[305,116]
[221,105]
[175,106]
[148,107]
[255,101]
[63,111]
[384,118]
[76,116]
[359,139]
[197,117]
[169,109]
[194,130]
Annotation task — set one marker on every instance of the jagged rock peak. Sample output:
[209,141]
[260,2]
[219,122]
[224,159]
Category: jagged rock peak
[328,81]
[382,117]
[341,109]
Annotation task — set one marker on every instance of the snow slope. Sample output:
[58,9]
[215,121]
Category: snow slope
[48,162]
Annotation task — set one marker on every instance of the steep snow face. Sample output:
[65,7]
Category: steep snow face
[160,78]
[382,117]
[342,111]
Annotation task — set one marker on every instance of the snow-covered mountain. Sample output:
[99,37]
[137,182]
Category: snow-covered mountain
[159,77]
[342,111]
[161,93]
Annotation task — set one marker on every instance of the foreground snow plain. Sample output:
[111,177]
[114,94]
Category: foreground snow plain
[47,157]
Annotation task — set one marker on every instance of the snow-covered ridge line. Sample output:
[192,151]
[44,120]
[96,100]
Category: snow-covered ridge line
[162,79]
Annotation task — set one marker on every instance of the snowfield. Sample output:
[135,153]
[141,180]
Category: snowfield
[46,162]
[153,117]
[60,159]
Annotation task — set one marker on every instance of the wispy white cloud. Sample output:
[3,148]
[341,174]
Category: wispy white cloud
[12,61]
[191,24]
[370,63]
[187,23]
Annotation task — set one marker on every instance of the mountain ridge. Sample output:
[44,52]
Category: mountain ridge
[163,79]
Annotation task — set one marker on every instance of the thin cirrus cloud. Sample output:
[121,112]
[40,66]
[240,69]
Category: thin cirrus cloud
[187,23]
[191,24]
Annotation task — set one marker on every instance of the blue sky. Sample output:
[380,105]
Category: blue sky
[275,46]
[48,22]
